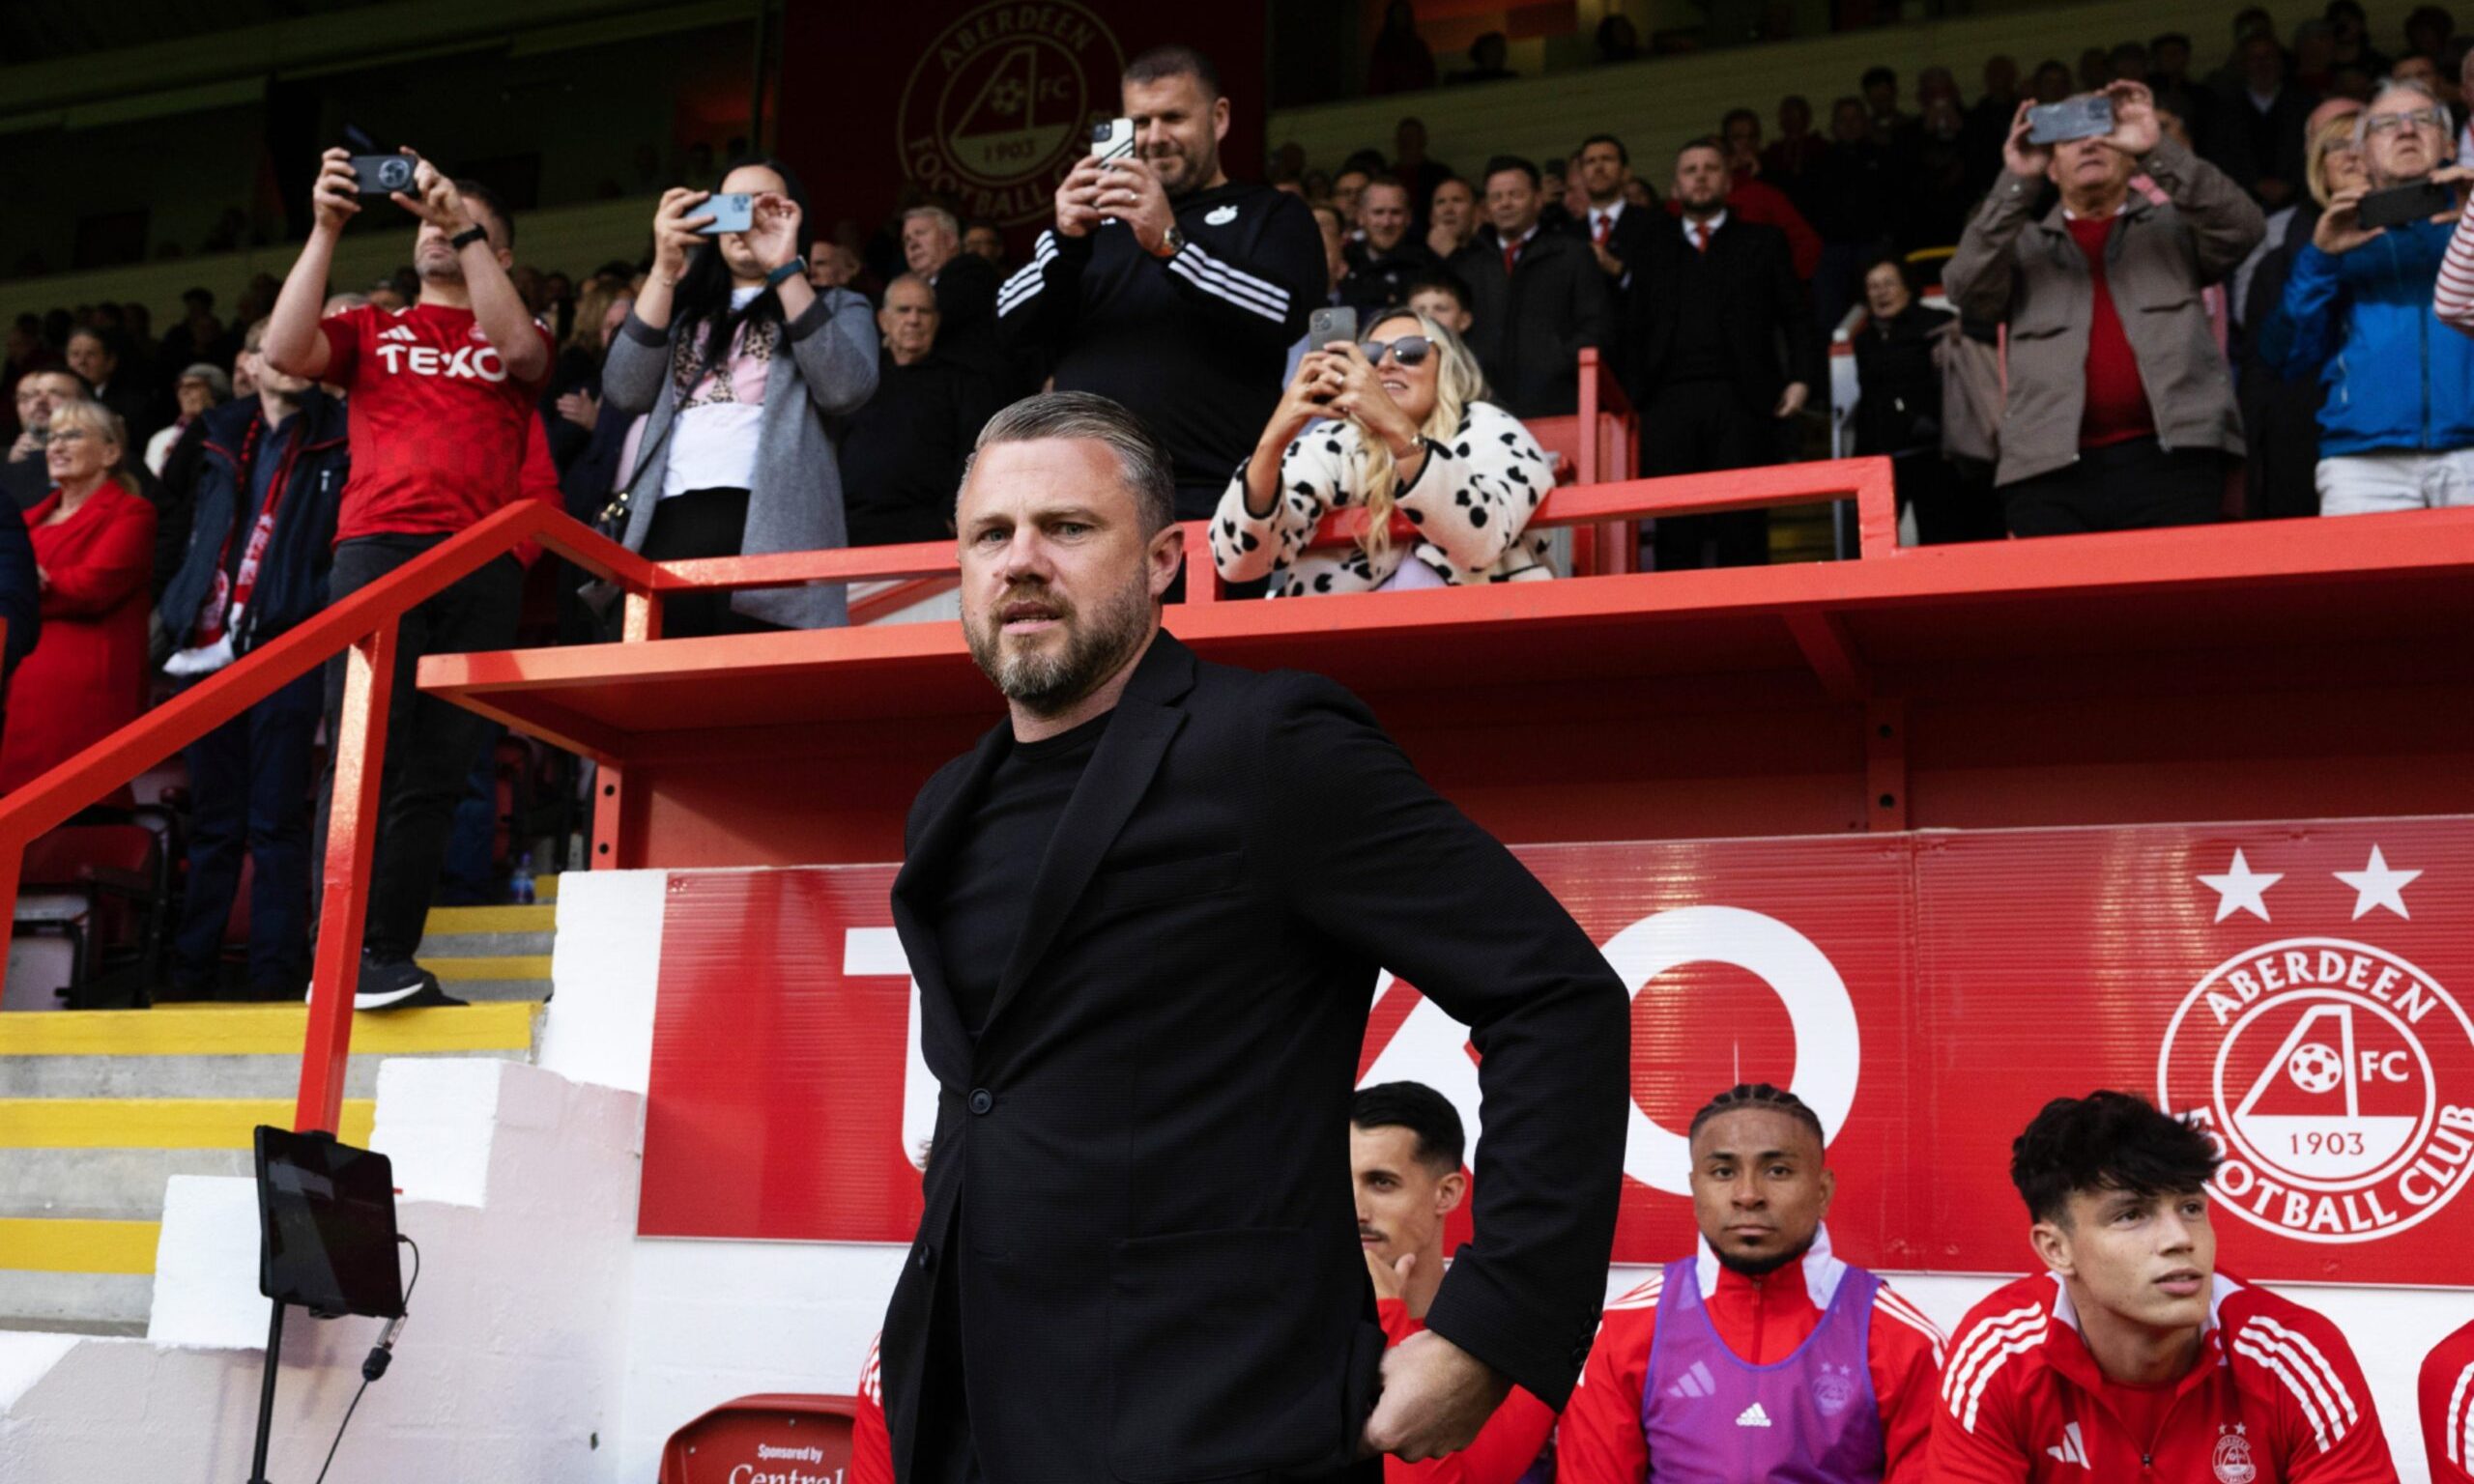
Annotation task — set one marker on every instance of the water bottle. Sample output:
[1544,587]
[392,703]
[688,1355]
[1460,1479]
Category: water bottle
[519,886]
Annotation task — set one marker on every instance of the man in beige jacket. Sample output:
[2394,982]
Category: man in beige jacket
[2121,412]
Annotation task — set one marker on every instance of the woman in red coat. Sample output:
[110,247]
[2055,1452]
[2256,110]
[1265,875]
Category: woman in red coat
[94,540]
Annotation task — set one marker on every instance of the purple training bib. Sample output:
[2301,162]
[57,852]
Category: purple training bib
[1712,1418]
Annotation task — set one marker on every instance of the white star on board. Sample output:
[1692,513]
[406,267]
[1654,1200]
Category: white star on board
[2378,886]
[2242,889]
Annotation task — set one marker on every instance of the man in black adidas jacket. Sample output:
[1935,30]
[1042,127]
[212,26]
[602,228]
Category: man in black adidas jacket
[1168,289]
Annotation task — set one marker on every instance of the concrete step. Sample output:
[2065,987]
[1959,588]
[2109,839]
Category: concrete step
[99,1109]
[491,953]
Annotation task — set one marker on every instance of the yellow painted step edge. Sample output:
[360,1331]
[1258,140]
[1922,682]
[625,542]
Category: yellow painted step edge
[451,971]
[458,920]
[260,1030]
[546,889]
[41,1244]
[158,1122]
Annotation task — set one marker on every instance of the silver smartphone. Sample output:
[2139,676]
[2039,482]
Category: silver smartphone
[1112,140]
[731,210]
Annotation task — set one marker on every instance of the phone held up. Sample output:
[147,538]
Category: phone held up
[1327,325]
[2086,117]
[383,175]
[1112,140]
[2399,205]
[731,210]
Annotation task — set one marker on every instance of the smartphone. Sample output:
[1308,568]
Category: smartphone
[731,210]
[381,175]
[2399,205]
[1112,140]
[1325,326]
[2089,116]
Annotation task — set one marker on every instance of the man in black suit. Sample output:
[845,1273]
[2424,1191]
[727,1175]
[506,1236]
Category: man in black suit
[1539,298]
[1719,353]
[1139,1257]
[965,285]
[1613,230]
[2255,133]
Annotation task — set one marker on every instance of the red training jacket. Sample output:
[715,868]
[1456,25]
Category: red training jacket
[1763,1320]
[2276,1398]
[871,1445]
[1502,1449]
[2447,1395]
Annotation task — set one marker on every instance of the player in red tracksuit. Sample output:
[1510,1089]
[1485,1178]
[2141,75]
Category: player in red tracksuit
[2447,1407]
[2132,1358]
[871,1445]
[1765,1277]
[1405,1146]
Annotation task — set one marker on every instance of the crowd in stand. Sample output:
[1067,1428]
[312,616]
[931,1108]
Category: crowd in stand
[2133,316]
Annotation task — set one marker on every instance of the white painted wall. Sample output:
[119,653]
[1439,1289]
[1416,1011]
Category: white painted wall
[520,1188]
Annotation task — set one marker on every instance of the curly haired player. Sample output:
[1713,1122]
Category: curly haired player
[2132,1356]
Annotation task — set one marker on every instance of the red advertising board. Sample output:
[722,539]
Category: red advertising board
[2295,988]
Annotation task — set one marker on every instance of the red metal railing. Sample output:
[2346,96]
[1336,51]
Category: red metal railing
[363,629]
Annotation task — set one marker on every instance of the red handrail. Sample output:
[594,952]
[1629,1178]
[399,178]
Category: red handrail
[362,628]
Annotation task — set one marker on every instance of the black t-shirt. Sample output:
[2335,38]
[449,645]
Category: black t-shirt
[987,889]
[902,454]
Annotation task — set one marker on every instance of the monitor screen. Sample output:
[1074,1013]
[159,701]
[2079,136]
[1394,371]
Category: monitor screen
[327,1225]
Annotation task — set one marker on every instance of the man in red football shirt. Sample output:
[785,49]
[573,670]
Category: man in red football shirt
[2132,1356]
[441,404]
[1405,1153]
[2447,1407]
[1778,1359]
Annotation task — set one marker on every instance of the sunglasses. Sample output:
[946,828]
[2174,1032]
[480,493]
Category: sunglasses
[1407,350]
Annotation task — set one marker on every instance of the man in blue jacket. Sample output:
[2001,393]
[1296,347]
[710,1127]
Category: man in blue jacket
[2397,430]
[268,489]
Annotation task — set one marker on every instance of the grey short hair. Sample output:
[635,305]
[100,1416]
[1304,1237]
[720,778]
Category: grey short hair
[944,218]
[1148,475]
[2414,85]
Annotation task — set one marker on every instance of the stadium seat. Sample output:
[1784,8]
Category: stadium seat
[117,862]
[786,1427]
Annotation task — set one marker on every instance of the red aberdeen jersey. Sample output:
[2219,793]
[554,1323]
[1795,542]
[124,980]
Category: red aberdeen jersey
[2448,1409]
[1764,1320]
[437,427]
[871,1445]
[2276,1398]
[1502,1449]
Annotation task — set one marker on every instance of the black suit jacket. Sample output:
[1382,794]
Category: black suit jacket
[1769,339]
[1527,326]
[1141,1161]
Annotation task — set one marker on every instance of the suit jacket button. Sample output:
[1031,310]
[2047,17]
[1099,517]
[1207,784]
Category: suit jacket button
[982,1099]
[925,1258]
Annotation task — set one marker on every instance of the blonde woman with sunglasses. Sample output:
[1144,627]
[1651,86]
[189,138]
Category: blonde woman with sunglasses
[1395,428]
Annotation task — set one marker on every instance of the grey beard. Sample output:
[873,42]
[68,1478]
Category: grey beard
[1047,684]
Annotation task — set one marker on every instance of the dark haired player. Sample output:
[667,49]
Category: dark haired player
[1406,1153]
[2447,1405]
[2131,1357]
[1764,1356]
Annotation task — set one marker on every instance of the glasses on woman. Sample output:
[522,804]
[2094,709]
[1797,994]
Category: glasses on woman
[2411,118]
[1407,350]
[66,435]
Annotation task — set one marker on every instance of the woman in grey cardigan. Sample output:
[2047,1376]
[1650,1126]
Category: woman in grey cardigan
[739,361]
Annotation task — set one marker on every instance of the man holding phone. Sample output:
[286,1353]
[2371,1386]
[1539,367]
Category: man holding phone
[441,401]
[2396,427]
[1166,286]
[2121,412]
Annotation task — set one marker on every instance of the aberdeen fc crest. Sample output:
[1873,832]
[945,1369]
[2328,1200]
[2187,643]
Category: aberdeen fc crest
[999,105]
[1833,1389]
[2322,1068]
[2233,1457]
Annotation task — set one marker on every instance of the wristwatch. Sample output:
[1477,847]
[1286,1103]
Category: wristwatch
[468,237]
[786,272]
[1172,243]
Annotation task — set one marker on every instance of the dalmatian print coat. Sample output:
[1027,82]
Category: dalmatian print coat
[1470,505]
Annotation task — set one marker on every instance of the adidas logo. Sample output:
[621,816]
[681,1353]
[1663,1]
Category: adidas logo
[2072,1449]
[398,333]
[1752,1416]
[1695,1383]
